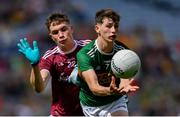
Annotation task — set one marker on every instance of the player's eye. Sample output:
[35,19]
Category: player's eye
[116,26]
[109,26]
[63,29]
[55,32]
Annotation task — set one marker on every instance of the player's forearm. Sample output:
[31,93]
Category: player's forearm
[100,90]
[91,79]
[36,79]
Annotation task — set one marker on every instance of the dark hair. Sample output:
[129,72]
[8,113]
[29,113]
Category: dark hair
[109,13]
[57,18]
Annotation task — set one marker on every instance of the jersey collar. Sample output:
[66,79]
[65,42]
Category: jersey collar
[102,51]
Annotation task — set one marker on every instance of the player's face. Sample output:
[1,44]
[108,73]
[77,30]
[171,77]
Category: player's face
[107,30]
[61,33]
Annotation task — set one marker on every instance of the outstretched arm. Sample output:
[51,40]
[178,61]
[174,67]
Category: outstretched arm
[91,79]
[38,79]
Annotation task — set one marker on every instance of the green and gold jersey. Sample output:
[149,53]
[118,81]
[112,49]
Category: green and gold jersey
[91,57]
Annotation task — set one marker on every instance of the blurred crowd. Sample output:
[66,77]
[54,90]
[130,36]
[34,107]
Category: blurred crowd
[158,79]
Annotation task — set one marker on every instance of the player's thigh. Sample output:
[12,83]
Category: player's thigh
[120,107]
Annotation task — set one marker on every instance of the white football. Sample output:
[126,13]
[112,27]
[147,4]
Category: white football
[125,64]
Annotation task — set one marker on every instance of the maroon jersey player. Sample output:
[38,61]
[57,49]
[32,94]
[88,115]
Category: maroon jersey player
[65,95]
[57,64]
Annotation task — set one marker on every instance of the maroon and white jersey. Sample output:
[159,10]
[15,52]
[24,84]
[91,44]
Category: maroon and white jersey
[65,95]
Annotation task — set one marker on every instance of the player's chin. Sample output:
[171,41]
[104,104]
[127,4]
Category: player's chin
[62,41]
[111,38]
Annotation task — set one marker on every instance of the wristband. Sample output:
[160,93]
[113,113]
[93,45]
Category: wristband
[34,64]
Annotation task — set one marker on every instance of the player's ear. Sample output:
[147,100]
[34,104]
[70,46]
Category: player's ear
[96,28]
[49,33]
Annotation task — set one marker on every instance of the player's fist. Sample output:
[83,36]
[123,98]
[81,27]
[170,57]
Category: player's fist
[31,54]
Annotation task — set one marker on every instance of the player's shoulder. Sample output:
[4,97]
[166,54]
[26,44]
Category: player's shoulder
[88,45]
[50,52]
[119,45]
[87,50]
[82,42]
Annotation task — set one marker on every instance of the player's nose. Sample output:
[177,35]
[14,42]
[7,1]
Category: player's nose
[60,34]
[113,29]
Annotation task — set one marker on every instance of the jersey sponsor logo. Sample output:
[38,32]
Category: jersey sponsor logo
[60,64]
[104,79]
[63,77]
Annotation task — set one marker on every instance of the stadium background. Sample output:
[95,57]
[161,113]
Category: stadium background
[150,27]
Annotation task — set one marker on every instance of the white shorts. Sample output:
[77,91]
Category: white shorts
[106,110]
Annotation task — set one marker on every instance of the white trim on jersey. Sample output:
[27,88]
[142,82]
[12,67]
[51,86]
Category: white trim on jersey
[58,50]
[82,42]
[50,52]
[92,51]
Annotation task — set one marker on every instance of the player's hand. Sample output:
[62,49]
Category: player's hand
[126,86]
[31,54]
[113,88]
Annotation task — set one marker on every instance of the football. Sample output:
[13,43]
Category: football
[125,64]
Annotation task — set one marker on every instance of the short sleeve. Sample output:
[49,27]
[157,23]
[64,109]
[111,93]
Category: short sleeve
[45,64]
[84,61]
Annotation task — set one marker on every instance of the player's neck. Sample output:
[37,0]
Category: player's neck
[67,48]
[105,46]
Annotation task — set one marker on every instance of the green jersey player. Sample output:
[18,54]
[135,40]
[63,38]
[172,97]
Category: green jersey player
[101,93]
